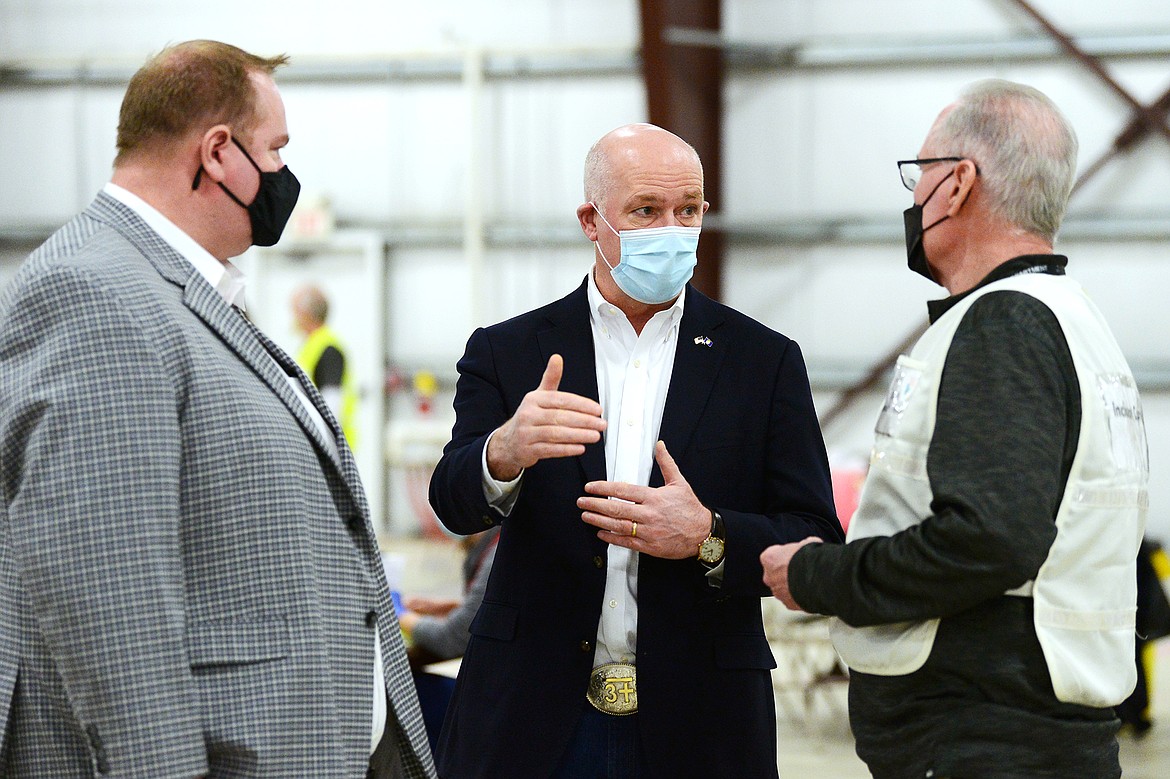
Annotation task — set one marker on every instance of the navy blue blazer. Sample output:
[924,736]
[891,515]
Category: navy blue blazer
[739,420]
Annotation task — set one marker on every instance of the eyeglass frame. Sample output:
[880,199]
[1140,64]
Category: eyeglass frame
[926,161]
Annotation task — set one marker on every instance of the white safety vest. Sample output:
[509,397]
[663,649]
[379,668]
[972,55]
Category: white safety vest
[1085,593]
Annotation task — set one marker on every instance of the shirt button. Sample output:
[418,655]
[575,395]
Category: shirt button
[613,604]
[637,363]
[586,646]
[598,562]
[371,618]
[629,423]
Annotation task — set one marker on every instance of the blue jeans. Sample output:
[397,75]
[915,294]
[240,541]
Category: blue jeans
[603,747]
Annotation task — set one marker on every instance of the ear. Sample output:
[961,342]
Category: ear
[212,146]
[965,176]
[587,217]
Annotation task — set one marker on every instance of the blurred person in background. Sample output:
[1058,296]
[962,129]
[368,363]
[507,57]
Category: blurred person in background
[437,630]
[322,356]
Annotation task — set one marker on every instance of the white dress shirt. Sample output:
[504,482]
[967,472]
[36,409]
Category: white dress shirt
[633,376]
[230,283]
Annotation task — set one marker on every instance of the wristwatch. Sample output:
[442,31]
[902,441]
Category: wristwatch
[712,548]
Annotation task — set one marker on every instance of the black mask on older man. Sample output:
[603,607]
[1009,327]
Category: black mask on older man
[274,202]
[912,222]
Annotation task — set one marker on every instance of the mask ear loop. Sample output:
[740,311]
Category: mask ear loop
[601,251]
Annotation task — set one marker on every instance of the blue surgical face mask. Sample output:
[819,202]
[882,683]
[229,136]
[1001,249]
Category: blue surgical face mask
[656,262]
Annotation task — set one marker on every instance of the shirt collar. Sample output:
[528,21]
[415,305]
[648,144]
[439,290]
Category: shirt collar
[226,278]
[600,308]
[1052,264]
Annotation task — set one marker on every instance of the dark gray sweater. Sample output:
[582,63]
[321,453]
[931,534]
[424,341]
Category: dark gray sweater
[982,706]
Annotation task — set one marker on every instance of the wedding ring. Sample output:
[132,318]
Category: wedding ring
[633,529]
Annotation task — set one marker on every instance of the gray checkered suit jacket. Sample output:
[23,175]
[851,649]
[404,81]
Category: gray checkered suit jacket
[189,583]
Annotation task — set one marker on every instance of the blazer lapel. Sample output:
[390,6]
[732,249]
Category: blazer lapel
[697,359]
[265,358]
[569,334]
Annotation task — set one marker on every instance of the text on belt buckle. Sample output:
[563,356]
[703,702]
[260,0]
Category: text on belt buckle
[613,689]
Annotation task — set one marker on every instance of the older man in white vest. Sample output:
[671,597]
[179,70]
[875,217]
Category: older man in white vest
[985,601]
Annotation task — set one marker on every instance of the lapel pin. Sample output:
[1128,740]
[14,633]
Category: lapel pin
[704,340]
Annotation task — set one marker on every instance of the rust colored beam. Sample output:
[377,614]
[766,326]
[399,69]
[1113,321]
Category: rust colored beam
[872,378]
[684,92]
[1136,130]
[1146,114]
[1146,119]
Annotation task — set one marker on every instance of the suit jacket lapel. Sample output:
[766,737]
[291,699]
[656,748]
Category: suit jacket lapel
[569,334]
[266,359]
[346,464]
[697,359]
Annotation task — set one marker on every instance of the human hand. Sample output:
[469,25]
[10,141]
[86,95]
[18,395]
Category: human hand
[667,521]
[430,607]
[407,620]
[775,560]
[548,423]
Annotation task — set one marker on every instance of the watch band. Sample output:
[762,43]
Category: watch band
[716,538]
[718,529]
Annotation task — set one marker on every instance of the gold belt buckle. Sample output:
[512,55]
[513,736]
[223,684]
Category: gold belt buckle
[613,689]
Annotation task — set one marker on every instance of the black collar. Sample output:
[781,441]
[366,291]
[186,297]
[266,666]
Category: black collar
[1051,264]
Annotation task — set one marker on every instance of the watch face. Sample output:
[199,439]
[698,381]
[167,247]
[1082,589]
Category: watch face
[711,550]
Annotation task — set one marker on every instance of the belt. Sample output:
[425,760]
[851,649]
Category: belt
[613,689]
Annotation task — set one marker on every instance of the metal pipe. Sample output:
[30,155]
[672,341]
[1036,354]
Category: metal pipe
[503,64]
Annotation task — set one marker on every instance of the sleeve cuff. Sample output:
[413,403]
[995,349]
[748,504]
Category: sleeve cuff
[500,495]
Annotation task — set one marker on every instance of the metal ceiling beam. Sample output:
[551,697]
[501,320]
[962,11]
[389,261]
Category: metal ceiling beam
[1146,119]
[738,56]
[1152,227]
[1147,114]
[1137,129]
[684,91]
[887,53]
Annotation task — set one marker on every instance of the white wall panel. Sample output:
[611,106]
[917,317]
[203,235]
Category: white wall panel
[32,29]
[541,131]
[380,152]
[40,156]
[826,297]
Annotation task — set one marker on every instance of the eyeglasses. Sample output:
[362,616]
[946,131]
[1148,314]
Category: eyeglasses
[911,170]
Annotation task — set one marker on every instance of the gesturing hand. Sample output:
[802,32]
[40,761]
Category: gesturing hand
[671,521]
[775,560]
[548,423]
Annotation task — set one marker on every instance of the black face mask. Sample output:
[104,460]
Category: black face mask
[912,221]
[274,202]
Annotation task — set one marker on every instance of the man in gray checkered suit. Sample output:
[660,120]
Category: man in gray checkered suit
[189,580]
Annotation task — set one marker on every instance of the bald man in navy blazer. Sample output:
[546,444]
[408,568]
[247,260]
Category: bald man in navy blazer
[641,445]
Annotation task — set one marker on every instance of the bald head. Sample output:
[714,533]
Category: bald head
[310,308]
[631,147]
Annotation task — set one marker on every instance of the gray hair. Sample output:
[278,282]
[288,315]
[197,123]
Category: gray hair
[1025,148]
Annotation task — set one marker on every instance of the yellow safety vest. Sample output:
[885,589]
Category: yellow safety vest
[315,345]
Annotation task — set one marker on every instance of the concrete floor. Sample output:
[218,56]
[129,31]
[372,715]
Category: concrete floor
[820,745]
[812,730]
